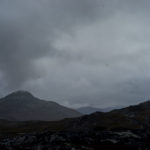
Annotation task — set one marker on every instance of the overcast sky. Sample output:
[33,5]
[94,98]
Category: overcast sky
[76,52]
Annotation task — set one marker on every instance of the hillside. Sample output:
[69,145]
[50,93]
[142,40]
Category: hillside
[132,117]
[126,129]
[90,110]
[23,106]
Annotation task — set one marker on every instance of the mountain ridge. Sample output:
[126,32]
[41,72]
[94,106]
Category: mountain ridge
[90,110]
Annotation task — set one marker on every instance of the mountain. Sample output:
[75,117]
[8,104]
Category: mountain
[22,106]
[126,129]
[132,117]
[90,110]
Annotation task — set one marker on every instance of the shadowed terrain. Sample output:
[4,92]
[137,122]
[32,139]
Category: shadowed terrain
[90,110]
[126,129]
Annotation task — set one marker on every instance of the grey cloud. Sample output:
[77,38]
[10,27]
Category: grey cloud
[27,30]
[76,52]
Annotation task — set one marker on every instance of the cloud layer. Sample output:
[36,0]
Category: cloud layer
[76,52]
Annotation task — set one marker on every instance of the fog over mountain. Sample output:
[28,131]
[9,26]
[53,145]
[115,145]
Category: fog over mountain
[76,52]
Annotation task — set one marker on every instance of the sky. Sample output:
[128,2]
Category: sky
[76,52]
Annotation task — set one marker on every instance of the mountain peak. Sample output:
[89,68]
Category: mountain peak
[23,106]
[21,94]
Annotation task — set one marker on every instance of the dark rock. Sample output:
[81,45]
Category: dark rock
[85,140]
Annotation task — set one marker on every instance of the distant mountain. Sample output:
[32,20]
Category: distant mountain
[90,110]
[125,129]
[132,117]
[22,106]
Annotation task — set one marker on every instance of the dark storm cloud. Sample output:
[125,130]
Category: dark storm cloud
[27,30]
[76,52]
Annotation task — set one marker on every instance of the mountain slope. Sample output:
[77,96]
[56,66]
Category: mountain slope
[126,129]
[22,106]
[90,110]
[132,117]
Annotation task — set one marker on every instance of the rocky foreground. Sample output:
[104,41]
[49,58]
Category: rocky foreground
[85,140]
